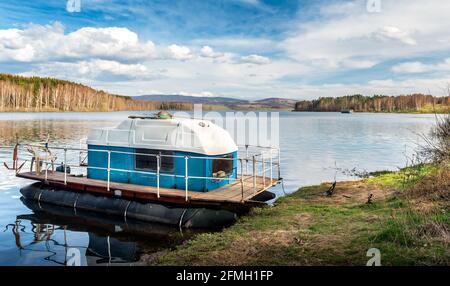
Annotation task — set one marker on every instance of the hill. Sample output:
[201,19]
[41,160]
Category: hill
[187,98]
[413,103]
[222,102]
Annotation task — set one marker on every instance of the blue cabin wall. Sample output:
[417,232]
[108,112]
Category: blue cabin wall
[99,159]
[196,167]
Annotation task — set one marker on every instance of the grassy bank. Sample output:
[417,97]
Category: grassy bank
[407,220]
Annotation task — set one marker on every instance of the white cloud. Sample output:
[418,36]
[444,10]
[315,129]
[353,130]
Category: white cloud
[394,33]
[96,69]
[47,43]
[209,52]
[180,52]
[238,44]
[255,59]
[418,67]
[262,89]
[358,64]
[197,94]
[410,67]
[345,32]
[13,48]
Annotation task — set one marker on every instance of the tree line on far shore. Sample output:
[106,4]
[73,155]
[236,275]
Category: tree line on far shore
[19,93]
[377,103]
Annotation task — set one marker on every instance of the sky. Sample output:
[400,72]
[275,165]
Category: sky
[249,49]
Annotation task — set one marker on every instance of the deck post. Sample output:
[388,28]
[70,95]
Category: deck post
[246,159]
[79,155]
[158,162]
[263,170]
[46,172]
[186,176]
[65,166]
[242,180]
[109,169]
[270,167]
[279,164]
[254,174]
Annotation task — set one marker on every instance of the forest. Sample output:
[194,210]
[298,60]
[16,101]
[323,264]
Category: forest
[378,103]
[19,93]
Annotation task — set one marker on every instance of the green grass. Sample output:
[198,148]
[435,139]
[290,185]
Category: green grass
[308,228]
[405,178]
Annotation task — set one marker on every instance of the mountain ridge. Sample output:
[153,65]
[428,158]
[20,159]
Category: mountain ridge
[271,102]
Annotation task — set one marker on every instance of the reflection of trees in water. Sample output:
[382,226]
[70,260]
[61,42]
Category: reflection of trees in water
[40,130]
[41,233]
[100,250]
[58,130]
[111,240]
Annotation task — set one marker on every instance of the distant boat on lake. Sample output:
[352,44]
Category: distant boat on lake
[346,110]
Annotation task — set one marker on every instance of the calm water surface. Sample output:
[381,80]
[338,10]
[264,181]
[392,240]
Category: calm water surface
[314,146]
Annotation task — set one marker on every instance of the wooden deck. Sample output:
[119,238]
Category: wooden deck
[231,194]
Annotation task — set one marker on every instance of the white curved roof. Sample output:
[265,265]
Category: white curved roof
[176,134]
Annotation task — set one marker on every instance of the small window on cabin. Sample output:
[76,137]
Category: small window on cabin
[146,160]
[222,167]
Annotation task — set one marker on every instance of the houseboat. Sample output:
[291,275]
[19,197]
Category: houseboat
[155,168]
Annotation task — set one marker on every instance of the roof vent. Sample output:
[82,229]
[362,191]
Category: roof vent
[163,115]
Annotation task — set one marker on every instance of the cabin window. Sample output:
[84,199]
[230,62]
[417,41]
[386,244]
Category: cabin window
[222,167]
[148,161]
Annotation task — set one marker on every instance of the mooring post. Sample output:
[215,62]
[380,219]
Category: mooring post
[254,174]
[65,166]
[158,162]
[109,169]
[16,157]
[186,176]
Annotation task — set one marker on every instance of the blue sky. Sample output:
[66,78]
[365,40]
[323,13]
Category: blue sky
[241,48]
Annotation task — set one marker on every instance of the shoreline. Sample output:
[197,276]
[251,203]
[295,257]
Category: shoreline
[308,227]
[212,109]
[380,112]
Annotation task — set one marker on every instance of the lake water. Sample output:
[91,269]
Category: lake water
[316,147]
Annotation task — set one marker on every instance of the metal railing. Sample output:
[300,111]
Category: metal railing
[259,157]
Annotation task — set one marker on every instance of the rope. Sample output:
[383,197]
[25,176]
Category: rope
[126,210]
[193,214]
[39,199]
[181,219]
[75,203]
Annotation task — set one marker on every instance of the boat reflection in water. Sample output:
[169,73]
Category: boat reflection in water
[50,235]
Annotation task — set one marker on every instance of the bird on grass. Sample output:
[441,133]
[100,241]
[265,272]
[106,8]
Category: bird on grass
[369,199]
[330,191]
